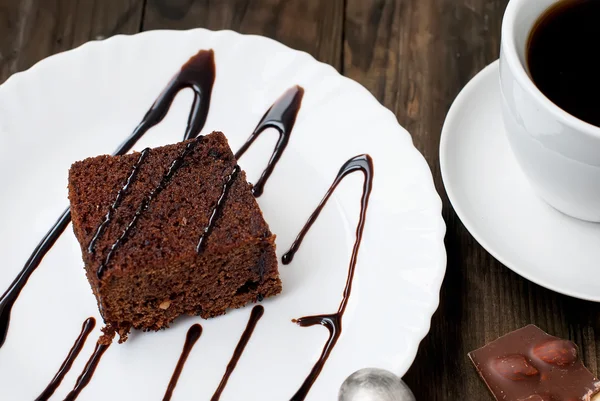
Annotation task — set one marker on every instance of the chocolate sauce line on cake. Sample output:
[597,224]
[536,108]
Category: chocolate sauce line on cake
[192,336]
[255,315]
[120,195]
[281,116]
[88,371]
[86,329]
[199,75]
[333,322]
[218,208]
[176,164]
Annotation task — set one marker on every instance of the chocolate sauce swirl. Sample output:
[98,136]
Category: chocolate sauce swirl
[173,168]
[255,315]
[120,195]
[218,208]
[88,371]
[281,116]
[86,329]
[333,322]
[199,75]
[192,336]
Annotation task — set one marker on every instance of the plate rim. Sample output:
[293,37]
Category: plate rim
[430,190]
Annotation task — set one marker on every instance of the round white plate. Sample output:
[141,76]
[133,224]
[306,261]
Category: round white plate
[86,101]
[493,198]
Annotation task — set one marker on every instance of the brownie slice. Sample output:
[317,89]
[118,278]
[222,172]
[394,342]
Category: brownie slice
[170,231]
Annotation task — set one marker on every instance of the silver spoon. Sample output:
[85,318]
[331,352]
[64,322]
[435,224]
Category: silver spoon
[372,384]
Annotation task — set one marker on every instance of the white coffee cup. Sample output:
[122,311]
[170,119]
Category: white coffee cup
[559,154]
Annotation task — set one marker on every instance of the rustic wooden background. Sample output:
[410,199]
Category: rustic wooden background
[414,56]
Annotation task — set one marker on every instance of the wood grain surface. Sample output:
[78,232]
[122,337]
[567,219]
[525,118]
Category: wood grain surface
[414,56]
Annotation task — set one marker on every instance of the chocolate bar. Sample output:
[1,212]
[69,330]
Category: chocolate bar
[531,365]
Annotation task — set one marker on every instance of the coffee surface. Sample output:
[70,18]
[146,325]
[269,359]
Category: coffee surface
[563,56]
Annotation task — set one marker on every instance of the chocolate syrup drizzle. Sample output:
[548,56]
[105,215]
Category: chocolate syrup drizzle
[199,75]
[192,336]
[218,208]
[173,168]
[333,322]
[255,315]
[281,116]
[88,371]
[120,195]
[86,329]
[12,293]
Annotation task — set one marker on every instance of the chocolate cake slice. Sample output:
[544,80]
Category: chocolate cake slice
[170,231]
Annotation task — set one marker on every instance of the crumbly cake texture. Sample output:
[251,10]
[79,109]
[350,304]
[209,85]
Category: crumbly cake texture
[157,274]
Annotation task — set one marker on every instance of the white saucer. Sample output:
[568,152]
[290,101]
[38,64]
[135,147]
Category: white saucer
[496,204]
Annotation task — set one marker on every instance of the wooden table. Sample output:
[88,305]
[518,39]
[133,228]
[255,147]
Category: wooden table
[414,56]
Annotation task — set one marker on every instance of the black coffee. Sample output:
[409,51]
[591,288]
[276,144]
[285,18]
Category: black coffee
[563,55]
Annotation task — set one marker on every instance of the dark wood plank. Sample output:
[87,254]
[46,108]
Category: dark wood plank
[312,26]
[31,30]
[415,56]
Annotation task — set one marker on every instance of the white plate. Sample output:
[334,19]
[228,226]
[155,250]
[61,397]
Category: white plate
[85,102]
[493,198]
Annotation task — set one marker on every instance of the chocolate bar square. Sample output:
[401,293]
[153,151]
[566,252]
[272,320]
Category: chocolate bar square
[531,365]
